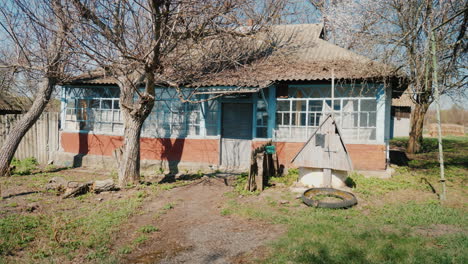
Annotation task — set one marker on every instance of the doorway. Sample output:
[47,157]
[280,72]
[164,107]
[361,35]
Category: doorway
[236,135]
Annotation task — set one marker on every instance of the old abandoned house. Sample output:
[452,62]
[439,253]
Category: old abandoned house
[280,98]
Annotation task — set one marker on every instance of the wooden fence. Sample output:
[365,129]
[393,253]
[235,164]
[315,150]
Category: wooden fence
[39,142]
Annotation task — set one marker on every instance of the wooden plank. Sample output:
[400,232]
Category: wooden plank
[260,172]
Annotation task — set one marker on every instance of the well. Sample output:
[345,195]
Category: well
[324,160]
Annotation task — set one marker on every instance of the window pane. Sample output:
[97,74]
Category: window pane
[336,105]
[262,118]
[303,119]
[106,104]
[293,119]
[94,103]
[299,105]
[282,105]
[70,103]
[116,104]
[372,119]
[350,105]
[368,105]
[312,118]
[279,119]
[315,106]
[261,132]
[286,119]
[363,119]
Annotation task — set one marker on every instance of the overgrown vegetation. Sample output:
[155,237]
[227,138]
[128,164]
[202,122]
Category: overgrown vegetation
[23,167]
[397,220]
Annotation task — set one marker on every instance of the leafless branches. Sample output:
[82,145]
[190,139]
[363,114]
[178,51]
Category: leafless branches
[143,43]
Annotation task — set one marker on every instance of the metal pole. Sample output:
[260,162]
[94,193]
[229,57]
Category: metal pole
[333,94]
[437,101]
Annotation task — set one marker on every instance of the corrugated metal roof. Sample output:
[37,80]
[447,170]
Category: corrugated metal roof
[299,55]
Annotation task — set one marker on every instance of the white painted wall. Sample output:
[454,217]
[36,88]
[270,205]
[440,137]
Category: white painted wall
[313,177]
[401,127]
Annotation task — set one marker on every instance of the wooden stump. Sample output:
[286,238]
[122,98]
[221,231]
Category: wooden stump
[260,172]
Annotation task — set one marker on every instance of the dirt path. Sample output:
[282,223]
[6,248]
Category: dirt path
[194,231]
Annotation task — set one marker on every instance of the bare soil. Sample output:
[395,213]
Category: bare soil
[191,227]
[194,231]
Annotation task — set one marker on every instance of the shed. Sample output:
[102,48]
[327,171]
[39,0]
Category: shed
[324,160]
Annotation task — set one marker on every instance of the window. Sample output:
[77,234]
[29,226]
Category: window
[211,117]
[297,117]
[172,118]
[93,114]
[88,110]
[262,119]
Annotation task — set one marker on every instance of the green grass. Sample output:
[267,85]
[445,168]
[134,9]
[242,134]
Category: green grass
[385,235]
[287,179]
[140,239]
[25,166]
[148,229]
[168,206]
[16,232]
[383,228]
[87,228]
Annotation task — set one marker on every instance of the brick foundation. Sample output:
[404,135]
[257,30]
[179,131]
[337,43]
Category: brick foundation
[363,156]
[191,150]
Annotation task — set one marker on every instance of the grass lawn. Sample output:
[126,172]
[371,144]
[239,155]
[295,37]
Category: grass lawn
[37,226]
[397,220]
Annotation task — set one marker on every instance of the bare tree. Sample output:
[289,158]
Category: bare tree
[36,33]
[398,32]
[143,43]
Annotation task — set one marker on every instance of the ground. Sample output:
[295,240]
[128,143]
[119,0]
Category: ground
[208,218]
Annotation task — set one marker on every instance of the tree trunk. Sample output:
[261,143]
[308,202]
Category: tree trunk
[10,145]
[416,133]
[134,114]
[129,164]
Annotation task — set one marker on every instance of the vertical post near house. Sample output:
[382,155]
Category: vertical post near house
[439,129]
[333,93]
